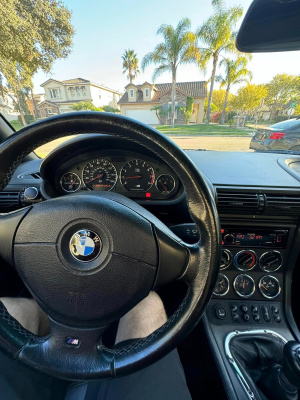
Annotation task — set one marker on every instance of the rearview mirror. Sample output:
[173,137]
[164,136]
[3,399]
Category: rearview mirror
[270,25]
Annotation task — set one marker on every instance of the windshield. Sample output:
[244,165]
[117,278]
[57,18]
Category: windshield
[163,63]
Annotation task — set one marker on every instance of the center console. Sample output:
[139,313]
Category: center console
[252,293]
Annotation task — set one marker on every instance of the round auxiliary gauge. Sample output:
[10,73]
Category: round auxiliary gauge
[269,287]
[70,182]
[165,184]
[222,285]
[244,285]
[226,259]
[271,261]
[99,174]
[137,176]
[245,260]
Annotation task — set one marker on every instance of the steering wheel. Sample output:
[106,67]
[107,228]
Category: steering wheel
[88,259]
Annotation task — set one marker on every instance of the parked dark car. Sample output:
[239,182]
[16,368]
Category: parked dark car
[282,136]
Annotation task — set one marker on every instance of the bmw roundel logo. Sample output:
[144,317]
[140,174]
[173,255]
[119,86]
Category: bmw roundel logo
[85,245]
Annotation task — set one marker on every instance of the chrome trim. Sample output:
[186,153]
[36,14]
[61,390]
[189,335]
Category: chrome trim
[245,251]
[105,159]
[231,258]
[273,270]
[243,295]
[231,360]
[137,191]
[70,191]
[170,190]
[228,287]
[259,286]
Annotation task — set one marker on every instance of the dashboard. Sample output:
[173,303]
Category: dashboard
[132,174]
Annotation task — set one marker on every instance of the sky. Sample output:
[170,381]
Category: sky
[104,29]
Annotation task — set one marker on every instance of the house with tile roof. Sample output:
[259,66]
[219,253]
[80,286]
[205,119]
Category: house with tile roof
[138,100]
[60,95]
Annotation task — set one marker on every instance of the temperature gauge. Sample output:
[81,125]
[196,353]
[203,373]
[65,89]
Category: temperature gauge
[222,285]
[70,182]
[165,184]
[269,287]
[244,285]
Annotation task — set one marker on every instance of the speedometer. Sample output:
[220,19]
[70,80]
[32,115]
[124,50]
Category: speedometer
[137,176]
[99,174]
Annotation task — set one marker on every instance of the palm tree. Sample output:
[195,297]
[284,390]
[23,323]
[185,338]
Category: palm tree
[130,64]
[179,47]
[216,35]
[235,72]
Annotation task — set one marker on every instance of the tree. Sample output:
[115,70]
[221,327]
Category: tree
[235,72]
[17,87]
[34,33]
[179,47]
[85,105]
[218,98]
[249,98]
[161,113]
[130,64]
[281,90]
[188,110]
[216,35]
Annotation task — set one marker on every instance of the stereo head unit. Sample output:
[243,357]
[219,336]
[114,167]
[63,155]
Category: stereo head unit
[254,237]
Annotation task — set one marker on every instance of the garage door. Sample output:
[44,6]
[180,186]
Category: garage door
[145,116]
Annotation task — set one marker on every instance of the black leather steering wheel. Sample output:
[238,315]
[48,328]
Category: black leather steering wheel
[137,253]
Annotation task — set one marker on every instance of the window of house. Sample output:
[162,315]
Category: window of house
[78,91]
[131,93]
[83,90]
[55,93]
[48,111]
[146,92]
[72,92]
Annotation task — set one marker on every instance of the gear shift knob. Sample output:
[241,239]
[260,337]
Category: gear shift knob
[291,363]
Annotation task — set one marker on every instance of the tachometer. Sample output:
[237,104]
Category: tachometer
[99,174]
[137,176]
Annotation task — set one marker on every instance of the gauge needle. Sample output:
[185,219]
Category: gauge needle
[244,284]
[132,177]
[264,287]
[164,186]
[99,176]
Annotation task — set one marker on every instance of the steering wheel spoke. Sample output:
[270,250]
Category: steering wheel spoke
[71,344]
[8,226]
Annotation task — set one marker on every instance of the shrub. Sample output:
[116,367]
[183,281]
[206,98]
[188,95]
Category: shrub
[110,109]
[280,118]
[216,118]
[28,118]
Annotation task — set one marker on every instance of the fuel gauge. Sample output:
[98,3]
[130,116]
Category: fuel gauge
[165,184]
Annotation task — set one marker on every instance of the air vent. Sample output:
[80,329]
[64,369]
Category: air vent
[32,175]
[282,205]
[240,203]
[9,200]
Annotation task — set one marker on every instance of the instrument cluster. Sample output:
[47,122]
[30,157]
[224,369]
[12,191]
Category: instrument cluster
[133,175]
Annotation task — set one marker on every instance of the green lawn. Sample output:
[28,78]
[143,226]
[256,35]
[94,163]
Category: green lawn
[16,124]
[202,130]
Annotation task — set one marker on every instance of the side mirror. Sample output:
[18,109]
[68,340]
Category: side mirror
[270,25]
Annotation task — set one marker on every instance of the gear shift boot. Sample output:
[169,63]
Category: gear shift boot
[268,364]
